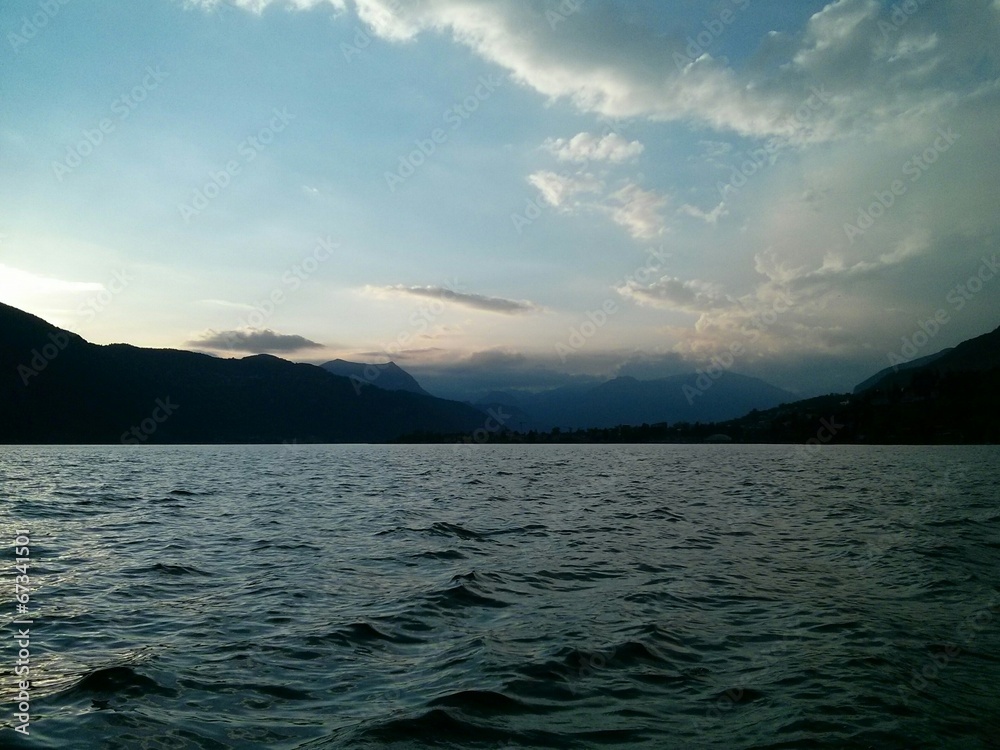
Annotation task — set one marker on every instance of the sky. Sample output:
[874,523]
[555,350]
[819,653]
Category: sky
[511,192]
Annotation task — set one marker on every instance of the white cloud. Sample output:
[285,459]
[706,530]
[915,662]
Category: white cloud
[694,296]
[227,304]
[473,301]
[789,309]
[16,283]
[845,47]
[584,147]
[839,47]
[639,211]
[884,87]
[60,301]
[836,31]
[709,217]
[557,189]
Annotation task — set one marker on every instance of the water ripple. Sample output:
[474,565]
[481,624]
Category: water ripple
[540,597]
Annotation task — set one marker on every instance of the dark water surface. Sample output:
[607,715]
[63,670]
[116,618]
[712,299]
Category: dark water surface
[506,596]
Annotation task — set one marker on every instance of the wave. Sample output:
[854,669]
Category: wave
[458,597]
[177,570]
[360,634]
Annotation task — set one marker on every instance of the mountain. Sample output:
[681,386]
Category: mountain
[947,398]
[950,397]
[911,365]
[628,401]
[388,376]
[975,355]
[55,387]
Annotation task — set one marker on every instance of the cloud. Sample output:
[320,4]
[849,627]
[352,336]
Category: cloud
[875,73]
[254,340]
[423,354]
[709,217]
[836,269]
[227,303]
[689,296]
[14,282]
[61,301]
[716,149]
[639,211]
[500,357]
[848,97]
[791,310]
[556,189]
[584,147]
[473,301]
[650,366]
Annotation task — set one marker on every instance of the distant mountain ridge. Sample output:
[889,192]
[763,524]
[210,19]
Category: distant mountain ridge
[974,355]
[888,371]
[948,397]
[55,387]
[628,401]
[388,376]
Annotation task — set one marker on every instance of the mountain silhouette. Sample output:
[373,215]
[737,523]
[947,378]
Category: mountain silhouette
[948,397]
[975,355]
[388,376]
[629,401]
[888,371]
[55,387]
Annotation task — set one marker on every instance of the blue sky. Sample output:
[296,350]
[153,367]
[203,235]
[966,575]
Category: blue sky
[215,175]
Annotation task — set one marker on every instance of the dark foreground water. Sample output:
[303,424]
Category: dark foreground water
[505,596]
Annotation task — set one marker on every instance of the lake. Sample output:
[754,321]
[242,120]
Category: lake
[504,596]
